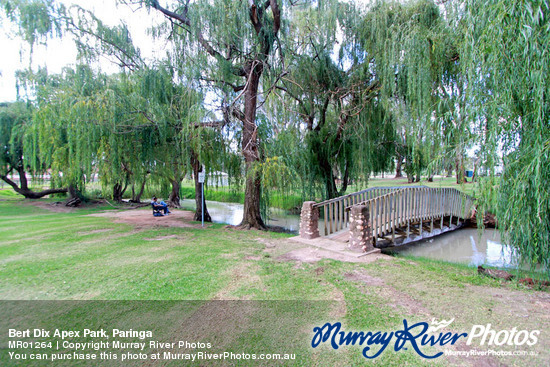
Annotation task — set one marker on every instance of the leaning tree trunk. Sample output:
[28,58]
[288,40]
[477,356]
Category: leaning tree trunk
[252,217]
[197,167]
[24,189]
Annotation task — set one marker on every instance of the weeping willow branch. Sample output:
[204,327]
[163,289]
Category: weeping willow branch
[184,20]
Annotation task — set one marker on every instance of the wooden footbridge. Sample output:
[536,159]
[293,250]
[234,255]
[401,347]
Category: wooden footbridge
[386,216]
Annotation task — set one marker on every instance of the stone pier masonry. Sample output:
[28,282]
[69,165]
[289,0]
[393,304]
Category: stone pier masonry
[309,220]
[360,233]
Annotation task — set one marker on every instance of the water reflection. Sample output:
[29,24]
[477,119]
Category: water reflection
[464,246]
[232,213]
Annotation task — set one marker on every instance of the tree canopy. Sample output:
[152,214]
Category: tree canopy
[302,97]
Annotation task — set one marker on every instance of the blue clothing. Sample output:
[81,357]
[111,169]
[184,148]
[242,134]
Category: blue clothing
[161,205]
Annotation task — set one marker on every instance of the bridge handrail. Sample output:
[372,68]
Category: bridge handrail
[378,188]
[426,201]
[405,188]
[348,208]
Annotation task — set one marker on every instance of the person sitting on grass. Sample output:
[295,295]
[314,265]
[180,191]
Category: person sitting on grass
[160,205]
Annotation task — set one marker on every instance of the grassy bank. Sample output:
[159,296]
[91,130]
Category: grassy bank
[48,255]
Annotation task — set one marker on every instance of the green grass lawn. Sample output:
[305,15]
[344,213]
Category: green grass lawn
[48,255]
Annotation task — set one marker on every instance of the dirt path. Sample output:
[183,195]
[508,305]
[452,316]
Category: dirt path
[143,218]
[138,217]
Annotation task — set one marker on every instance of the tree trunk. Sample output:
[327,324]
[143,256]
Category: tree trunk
[409,170]
[450,170]
[399,162]
[252,70]
[460,179]
[197,167]
[330,186]
[137,198]
[345,180]
[73,192]
[328,177]
[74,196]
[174,198]
[25,191]
[474,175]
[118,191]
[22,177]
[252,217]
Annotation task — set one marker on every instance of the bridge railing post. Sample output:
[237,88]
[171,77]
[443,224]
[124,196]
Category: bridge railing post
[309,220]
[360,232]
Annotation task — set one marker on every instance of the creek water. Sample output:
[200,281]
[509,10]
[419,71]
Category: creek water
[232,213]
[464,246]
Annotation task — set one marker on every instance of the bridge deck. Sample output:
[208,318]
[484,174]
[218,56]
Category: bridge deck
[416,231]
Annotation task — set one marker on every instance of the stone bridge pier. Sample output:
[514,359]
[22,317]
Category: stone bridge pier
[309,220]
[360,233]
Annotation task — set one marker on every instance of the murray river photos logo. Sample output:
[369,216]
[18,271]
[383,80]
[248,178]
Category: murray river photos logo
[417,336]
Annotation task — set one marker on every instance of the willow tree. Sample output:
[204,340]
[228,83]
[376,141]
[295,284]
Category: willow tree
[127,113]
[174,111]
[149,99]
[414,55]
[15,119]
[331,93]
[65,129]
[161,95]
[126,143]
[236,40]
[506,57]
[36,20]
